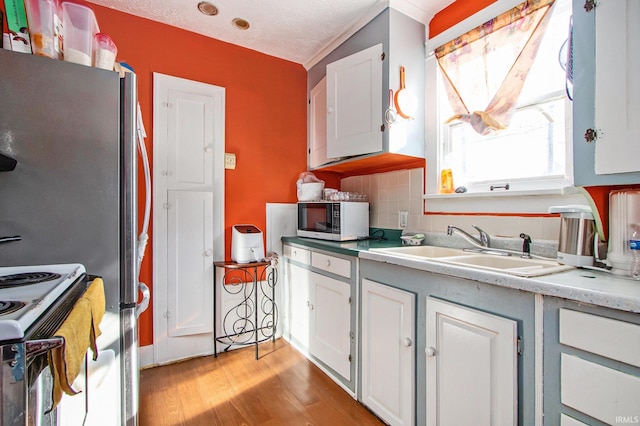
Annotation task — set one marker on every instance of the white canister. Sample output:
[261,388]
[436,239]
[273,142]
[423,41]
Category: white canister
[104,55]
[624,210]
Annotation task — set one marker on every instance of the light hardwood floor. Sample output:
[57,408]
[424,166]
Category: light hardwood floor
[281,388]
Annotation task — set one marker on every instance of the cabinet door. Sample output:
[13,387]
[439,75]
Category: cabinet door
[388,355]
[617,86]
[299,316]
[584,72]
[189,268]
[471,367]
[354,104]
[318,125]
[330,328]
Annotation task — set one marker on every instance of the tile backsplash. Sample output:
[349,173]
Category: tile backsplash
[392,192]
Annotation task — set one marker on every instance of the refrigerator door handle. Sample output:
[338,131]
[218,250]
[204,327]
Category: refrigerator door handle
[146,296]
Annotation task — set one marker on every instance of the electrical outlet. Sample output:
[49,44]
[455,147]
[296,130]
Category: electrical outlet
[229,161]
[403,218]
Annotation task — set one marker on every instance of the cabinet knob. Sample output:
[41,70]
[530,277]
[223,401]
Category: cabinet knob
[208,253]
[311,306]
[407,342]
[591,135]
[330,110]
[430,351]
[208,148]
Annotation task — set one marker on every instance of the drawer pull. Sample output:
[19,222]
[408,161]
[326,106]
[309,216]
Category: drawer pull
[328,262]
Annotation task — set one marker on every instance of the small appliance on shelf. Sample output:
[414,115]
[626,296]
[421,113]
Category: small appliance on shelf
[247,244]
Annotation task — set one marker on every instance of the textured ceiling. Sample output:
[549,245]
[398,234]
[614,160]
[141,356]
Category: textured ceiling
[295,30]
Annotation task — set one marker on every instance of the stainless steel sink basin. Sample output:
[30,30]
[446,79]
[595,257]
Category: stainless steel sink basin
[429,252]
[512,265]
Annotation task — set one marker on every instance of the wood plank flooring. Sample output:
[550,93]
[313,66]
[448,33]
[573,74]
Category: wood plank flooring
[281,388]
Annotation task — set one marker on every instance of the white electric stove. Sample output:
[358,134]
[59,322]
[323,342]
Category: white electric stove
[26,292]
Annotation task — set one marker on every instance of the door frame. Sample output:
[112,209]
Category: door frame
[161,84]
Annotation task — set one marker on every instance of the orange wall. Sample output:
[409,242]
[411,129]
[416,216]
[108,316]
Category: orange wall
[454,13]
[265,115]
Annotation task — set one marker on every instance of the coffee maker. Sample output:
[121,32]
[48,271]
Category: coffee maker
[577,242]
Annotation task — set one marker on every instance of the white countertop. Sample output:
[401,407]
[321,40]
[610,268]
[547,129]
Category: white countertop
[582,285]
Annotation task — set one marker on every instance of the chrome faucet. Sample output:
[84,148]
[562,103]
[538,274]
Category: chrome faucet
[484,237]
[483,242]
[526,246]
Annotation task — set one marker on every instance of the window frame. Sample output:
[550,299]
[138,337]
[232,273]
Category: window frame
[513,201]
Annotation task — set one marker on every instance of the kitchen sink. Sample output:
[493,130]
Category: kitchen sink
[429,252]
[512,265]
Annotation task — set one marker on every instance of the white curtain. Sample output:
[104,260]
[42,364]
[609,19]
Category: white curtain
[484,70]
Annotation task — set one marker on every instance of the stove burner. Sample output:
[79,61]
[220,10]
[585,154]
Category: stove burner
[9,307]
[26,278]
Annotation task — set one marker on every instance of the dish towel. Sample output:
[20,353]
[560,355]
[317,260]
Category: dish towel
[95,296]
[79,331]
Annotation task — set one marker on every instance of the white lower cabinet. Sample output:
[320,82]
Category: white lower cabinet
[472,370]
[388,354]
[299,313]
[330,315]
[605,386]
[318,316]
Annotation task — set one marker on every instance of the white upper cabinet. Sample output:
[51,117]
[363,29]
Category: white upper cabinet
[617,93]
[354,105]
[318,125]
[359,74]
[606,86]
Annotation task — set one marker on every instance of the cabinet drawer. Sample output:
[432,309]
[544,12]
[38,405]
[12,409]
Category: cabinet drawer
[607,337]
[335,265]
[298,254]
[598,391]
[570,421]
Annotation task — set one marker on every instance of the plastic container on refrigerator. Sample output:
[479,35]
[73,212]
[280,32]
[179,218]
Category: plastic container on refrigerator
[105,52]
[44,21]
[78,31]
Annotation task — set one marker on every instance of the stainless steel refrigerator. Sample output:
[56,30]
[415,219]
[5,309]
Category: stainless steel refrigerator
[72,197]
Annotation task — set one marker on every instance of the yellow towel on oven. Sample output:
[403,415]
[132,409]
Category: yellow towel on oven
[95,296]
[79,330]
[65,362]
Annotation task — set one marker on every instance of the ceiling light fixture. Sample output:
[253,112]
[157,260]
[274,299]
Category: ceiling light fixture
[207,8]
[240,23]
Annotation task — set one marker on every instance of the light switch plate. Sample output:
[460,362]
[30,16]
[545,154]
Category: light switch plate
[403,218]
[229,161]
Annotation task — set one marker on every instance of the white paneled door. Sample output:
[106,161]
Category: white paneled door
[471,366]
[617,86]
[388,355]
[354,104]
[188,214]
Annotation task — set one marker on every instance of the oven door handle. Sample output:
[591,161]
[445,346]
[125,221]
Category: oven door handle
[33,348]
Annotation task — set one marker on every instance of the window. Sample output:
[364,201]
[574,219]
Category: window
[533,153]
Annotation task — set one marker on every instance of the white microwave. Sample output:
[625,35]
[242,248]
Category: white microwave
[333,220]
